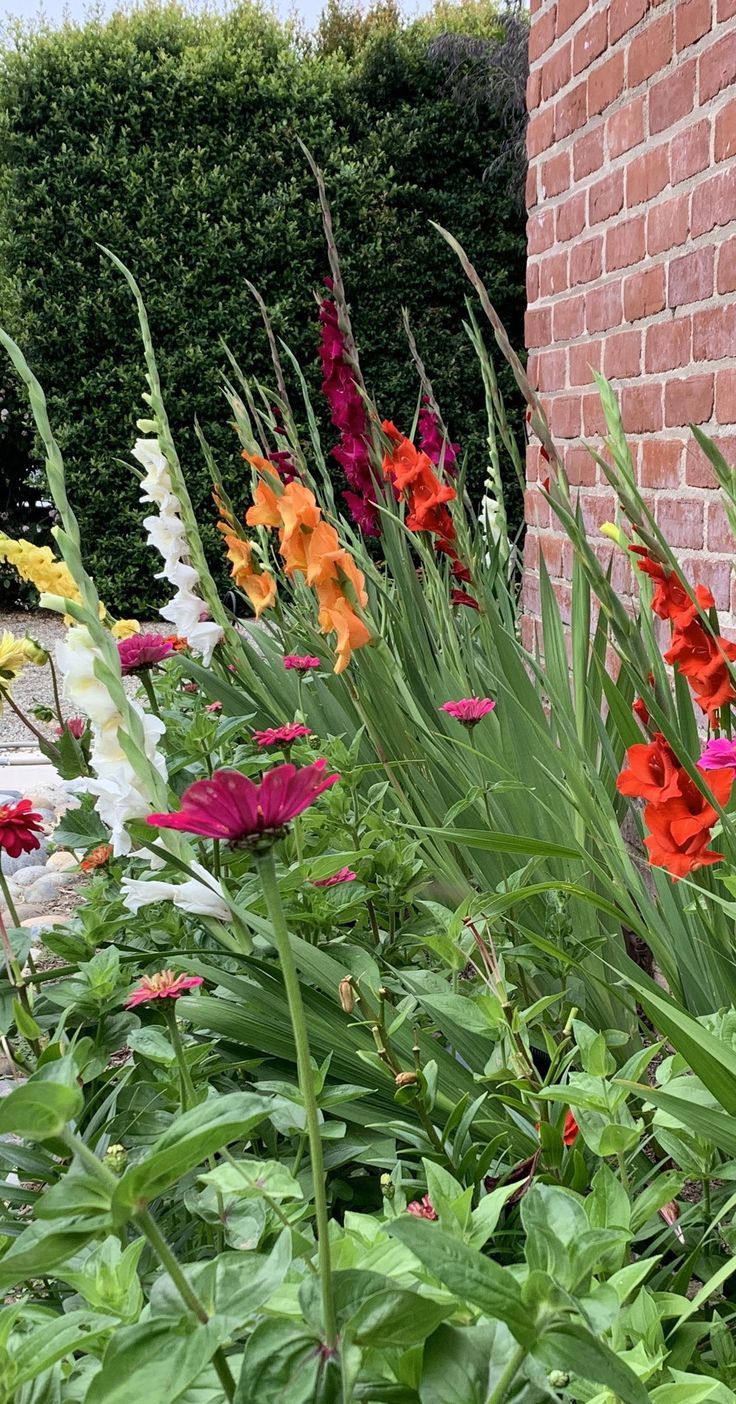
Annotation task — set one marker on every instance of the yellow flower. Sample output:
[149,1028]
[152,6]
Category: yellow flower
[615,534]
[125,628]
[12,660]
[38,565]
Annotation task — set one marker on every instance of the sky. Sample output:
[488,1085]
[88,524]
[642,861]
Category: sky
[55,10]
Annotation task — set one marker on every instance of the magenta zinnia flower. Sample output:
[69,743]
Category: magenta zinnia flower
[75,725]
[280,735]
[230,806]
[302,662]
[164,985]
[19,827]
[142,651]
[470,710]
[213,707]
[423,1208]
[719,754]
[342,875]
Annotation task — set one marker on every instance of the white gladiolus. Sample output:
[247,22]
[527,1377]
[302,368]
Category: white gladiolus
[165,532]
[201,896]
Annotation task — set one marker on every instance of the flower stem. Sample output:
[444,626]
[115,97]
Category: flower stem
[55,686]
[149,690]
[498,1395]
[187,1092]
[25,720]
[10,904]
[269,883]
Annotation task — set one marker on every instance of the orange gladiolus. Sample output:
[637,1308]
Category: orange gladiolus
[258,585]
[679,816]
[352,633]
[265,509]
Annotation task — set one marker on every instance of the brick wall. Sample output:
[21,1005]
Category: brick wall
[632,262]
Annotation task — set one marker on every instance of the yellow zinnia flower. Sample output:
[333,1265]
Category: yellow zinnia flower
[125,628]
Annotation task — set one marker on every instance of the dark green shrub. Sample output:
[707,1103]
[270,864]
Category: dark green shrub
[172,140]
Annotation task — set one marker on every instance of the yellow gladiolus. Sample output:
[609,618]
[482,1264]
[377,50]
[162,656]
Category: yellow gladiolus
[39,566]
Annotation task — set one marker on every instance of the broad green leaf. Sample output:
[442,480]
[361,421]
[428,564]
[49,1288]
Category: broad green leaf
[153,1360]
[38,1110]
[37,1350]
[395,1318]
[283,1361]
[461,1363]
[231,1287]
[80,828]
[569,1346]
[40,1249]
[713,1126]
[249,1178]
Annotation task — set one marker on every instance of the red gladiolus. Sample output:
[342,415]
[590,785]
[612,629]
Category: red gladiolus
[678,816]
[142,651]
[653,772]
[164,985]
[19,827]
[232,807]
[280,735]
[570,1131]
[342,875]
[469,710]
[671,600]
[461,597]
[640,710]
[701,659]
[422,1208]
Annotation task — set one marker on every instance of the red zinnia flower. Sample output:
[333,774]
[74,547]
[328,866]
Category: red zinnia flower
[280,735]
[469,710]
[19,826]
[422,1208]
[342,875]
[164,985]
[142,651]
[230,806]
[302,663]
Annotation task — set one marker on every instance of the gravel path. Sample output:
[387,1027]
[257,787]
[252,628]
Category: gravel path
[33,686]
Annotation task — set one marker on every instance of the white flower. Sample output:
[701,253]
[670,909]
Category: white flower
[76,655]
[203,896]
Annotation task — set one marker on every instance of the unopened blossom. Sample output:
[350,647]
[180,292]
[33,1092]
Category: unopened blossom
[469,710]
[232,807]
[97,857]
[342,875]
[76,726]
[165,985]
[461,597]
[280,735]
[422,1208]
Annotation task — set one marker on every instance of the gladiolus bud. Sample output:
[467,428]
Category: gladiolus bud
[406,1079]
[34,652]
[615,534]
[347,994]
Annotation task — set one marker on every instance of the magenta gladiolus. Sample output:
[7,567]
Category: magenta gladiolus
[142,651]
[432,441]
[280,735]
[470,710]
[232,807]
[349,418]
[719,754]
[302,662]
[164,985]
[342,875]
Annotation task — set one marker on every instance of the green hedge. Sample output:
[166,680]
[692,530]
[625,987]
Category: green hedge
[171,139]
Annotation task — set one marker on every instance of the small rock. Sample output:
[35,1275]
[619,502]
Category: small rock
[11,866]
[27,876]
[61,860]
[44,923]
[45,799]
[46,889]
[23,910]
[10,796]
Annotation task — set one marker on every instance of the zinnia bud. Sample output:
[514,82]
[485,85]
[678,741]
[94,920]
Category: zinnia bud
[34,652]
[388,1188]
[615,534]
[347,994]
[115,1158]
[406,1079]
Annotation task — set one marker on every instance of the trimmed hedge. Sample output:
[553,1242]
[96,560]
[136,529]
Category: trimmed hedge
[171,139]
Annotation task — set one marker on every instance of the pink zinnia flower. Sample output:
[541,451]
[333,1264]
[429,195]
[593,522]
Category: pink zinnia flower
[280,735]
[342,875]
[19,827]
[470,710]
[164,985]
[75,725]
[142,651]
[213,707]
[461,597]
[719,754]
[230,806]
[302,662]
[190,686]
[422,1208]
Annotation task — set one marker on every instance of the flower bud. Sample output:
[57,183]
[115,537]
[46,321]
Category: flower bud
[147,426]
[615,534]
[388,1188]
[558,1379]
[34,652]
[347,994]
[406,1079]
[115,1158]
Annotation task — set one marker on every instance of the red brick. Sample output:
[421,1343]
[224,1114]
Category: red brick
[688,401]
[726,277]
[538,326]
[580,467]
[690,151]
[650,51]
[625,128]
[726,9]
[556,71]
[536,510]
[691,277]
[625,243]
[540,230]
[642,408]
[540,132]
[567,13]
[718,67]
[668,224]
[692,21]
[594,420]
[555,175]
[604,307]
[681,520]
[533,89]
[725,145]
[550,371]
[668,345]
[590,41]
[531,186]
[598,508]
[644,294]
[672,97]
[622,355]
[565,415]
[714,203]
[583,360]
[553,274]
[715,574]
[624,15]
[647,175]
[586,261]
[568,318]
[532,282]
[571,111]
[587,154]
[698,472]
[726,397]
[605,84]
[720,535]
[570,217]
[714,333]
[542,34]
[606,197]
[660,464]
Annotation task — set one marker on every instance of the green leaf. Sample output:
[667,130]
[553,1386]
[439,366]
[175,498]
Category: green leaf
[470,1276]
[188,1141]
[395,1317]
[284,1362]
[608,1206]
[39,1110]
[40,1249]
[572,1347]
[231,1287]
[250,1178]
[152,1361]
[80,828]
[40,1348]
[495,842]
[713,1126]
[459,1361]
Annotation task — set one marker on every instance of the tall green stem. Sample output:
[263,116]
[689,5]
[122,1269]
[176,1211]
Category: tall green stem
[498,1395]
[269,883]
[188,1094]
[10,904]
[149,690]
